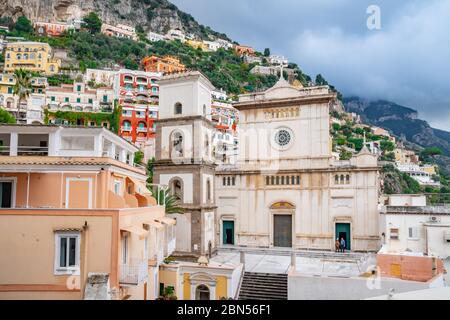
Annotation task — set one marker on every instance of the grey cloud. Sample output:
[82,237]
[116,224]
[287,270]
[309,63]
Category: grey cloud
[407,61]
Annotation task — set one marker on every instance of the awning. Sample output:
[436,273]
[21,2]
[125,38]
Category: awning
[140,187]
[167,220]
[142,233]
[155,224]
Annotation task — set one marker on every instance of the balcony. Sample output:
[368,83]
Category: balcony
[126,129]
[141,129]
[32,151]
[133,274]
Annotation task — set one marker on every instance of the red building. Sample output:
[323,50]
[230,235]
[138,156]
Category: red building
[138,95]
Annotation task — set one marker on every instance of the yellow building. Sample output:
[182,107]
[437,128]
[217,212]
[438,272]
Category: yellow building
[197,44]
[194,281]
[32,56]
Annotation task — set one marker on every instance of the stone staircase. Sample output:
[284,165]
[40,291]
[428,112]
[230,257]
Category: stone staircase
[264,286]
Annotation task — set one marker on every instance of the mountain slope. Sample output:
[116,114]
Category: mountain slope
[155,15]
[403,122]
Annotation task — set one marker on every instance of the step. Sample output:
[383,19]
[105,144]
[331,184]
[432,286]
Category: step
[251,297]
[263,285]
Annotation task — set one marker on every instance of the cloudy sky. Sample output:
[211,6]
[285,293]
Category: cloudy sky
[406,61]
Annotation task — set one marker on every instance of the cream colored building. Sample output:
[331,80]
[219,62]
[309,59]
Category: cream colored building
[286,190]
[74,210]
[79,97]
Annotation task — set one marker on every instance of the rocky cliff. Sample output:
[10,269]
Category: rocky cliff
[155,15]
[403,122]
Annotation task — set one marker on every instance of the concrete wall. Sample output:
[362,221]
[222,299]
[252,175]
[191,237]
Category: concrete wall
[326,288]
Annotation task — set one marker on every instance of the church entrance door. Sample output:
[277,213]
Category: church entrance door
[228,232]
[282,233]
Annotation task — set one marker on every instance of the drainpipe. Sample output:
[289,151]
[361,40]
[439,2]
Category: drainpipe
[28,190]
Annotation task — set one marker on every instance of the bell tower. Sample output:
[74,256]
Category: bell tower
[184,159]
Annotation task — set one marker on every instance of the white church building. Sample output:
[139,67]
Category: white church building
[285,190]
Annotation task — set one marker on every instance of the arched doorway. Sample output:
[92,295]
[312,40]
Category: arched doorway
[202,293]
[282,213]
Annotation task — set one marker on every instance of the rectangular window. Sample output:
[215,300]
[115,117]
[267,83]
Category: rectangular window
[90,101]
[105,98]
[66,99]
[10,90]
[78,88]
[118,187]
[67,252]
[52,98]
[413,233]
[394,234]
[78,100]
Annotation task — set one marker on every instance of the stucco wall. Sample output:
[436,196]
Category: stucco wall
[324,288]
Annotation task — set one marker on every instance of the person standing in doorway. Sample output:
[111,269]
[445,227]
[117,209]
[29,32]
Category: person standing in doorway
[342,245]
[337,245]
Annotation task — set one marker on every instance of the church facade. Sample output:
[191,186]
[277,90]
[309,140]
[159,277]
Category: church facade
[286,190]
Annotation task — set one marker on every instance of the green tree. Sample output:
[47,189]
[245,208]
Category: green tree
[23,25]
[387,146]
[266,52]
[93,22]
[22,87]
[6,117]
[138,157]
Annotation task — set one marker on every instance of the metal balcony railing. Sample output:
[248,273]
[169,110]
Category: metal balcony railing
[32,151]
[134,273]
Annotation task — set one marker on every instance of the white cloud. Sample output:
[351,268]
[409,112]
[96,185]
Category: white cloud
[407,61]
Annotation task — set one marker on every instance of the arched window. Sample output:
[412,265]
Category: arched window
[336,179]
[19,56]
[267,180]
[272,180]
[342,179]
[233,181]
[177,145]
[347,179]
[176,190]
[228,181]
[208,191]
[278,180]
[287,180]
[298,180]
[282,180]
[224,181]
[206,145]
[178,108]
[127,124]
[202,293]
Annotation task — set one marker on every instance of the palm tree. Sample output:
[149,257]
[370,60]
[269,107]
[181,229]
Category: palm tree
[22,87]
[169,201]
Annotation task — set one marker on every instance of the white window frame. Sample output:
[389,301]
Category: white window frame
[413,233]
[13,189]
[75,270]
[119,183]
[146,248]
[70,179]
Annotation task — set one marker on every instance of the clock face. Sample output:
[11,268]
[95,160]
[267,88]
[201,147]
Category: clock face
[282,139]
